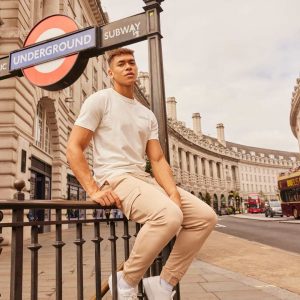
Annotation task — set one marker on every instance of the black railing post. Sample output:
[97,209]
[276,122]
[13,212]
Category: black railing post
[58,262]
[113,246]
[126,237]
[1,238]
[34,248]
[16,275]
[79,245]
[97,240]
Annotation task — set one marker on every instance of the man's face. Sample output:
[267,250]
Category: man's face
[123,69]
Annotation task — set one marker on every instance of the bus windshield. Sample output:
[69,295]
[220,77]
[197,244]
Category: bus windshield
[274,203]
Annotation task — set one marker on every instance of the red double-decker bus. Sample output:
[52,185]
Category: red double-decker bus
[289,187]
[255,204]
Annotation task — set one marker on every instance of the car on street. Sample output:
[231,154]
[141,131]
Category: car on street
[273,208]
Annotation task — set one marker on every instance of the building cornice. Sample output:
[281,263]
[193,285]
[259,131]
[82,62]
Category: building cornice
[98,12]
[211,147]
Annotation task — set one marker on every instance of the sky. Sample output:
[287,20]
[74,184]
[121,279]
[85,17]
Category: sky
[234,61]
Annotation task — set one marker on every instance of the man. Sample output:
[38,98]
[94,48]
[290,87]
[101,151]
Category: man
[123,130]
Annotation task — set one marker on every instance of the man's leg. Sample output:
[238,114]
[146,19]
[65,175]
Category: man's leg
[199,220]
[144,203]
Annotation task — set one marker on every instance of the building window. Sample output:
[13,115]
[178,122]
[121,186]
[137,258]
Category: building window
[95,79]
[218,170]
[180,161]
[47,139]
[210,169]
[39,126]
[83,96]
[203,166]
[84,22]
[187,155]
[42,131]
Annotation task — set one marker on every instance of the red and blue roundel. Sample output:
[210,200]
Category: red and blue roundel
[56,74]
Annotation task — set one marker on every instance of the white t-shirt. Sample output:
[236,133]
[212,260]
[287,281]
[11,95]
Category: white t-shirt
[122,128]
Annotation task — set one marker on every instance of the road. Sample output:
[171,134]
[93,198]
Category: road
[273,233]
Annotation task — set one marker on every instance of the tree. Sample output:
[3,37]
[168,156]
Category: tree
[207,198]
[148,167]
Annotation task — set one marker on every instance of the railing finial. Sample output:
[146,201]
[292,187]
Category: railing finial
[19,184]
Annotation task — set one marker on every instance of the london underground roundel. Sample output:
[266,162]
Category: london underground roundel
[59,73]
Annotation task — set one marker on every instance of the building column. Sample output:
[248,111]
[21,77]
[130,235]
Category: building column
[172,161]
[183,161]
[215,173]
[184,173]
[199,166]
[192,164]
[207,169]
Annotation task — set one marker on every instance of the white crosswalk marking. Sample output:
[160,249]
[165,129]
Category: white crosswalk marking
[220,225]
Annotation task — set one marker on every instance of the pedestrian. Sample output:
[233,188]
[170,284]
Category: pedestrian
[123,130]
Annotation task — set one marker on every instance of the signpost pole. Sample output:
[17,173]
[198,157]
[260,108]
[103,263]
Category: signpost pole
[157,87]
[157,90]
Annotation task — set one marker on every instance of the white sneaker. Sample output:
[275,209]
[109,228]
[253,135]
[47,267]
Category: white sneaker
[155,291]
[123,294]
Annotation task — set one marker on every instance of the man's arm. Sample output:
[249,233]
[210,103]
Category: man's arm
[162,171]
[78,141]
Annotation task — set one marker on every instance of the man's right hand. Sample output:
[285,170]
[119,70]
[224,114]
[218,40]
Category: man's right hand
[106,197]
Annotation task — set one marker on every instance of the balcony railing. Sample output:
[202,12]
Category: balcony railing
[18,223]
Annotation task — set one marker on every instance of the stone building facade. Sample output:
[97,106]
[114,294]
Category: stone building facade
[35,123]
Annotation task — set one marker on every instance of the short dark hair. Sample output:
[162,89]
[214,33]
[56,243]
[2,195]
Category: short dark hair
[116,52]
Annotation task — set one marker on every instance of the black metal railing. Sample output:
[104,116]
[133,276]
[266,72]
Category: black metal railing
[17,224]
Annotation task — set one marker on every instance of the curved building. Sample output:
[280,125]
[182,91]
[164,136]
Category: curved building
[222,169]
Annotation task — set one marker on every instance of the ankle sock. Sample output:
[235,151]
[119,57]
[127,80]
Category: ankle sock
[123,285]
[166,285]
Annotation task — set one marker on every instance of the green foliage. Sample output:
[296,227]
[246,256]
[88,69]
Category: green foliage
[207,198]
[229,210]
[148,167]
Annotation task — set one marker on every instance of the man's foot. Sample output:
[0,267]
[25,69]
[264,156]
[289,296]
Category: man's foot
[123,294]
[155,291]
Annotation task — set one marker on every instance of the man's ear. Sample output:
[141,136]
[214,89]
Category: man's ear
[110,73]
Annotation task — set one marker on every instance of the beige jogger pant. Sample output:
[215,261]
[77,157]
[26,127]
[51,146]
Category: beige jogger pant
[144,201]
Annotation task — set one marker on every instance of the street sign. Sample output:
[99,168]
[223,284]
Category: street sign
[51,58]
[124,32]
[52,50]
[56,51]
[4,67]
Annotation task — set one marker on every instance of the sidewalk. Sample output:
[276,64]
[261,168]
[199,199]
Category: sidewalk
[208,282]
[203,280]
[262,217]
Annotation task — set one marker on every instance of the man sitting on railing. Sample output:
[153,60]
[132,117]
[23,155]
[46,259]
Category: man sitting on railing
[123,130]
